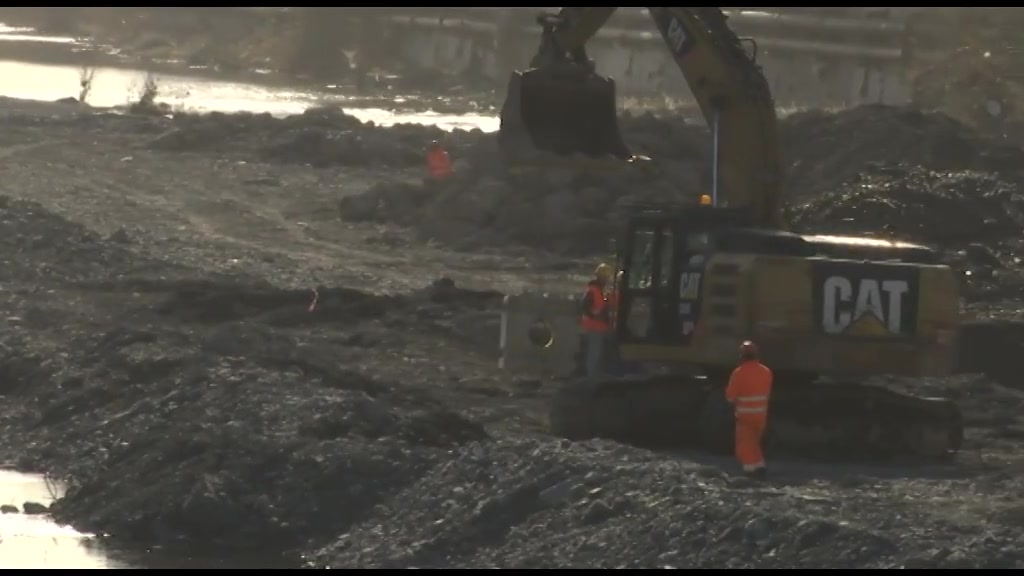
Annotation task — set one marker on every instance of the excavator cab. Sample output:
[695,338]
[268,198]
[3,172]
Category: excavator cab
[560,105]
[663,253]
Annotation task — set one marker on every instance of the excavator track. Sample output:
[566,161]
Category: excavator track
[835,421]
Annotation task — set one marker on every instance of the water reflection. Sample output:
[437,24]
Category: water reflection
[117,87]
[37,541]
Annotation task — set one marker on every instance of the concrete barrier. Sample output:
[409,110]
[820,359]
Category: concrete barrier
[526,351]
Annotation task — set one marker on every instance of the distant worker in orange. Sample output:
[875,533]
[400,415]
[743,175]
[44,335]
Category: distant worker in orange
[749,390]
[439,164]
[596,322]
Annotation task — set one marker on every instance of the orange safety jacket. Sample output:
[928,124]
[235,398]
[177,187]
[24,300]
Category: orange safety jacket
[439,165]
[749,389]
[596,310]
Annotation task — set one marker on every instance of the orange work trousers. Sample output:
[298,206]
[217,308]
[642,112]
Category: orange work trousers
[749,432]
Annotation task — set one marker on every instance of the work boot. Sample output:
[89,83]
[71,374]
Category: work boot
[760,474]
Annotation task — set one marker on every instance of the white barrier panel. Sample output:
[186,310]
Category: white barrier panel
[539,333]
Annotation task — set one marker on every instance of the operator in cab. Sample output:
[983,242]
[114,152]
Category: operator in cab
[596,321]
[439,163]
[749,389]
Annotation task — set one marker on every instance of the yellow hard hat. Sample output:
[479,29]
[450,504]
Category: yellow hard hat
[603,271]
[705,200]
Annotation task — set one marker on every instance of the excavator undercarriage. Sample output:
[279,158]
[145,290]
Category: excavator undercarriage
[826,420]
[749,277]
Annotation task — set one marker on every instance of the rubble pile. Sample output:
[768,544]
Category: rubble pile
[224,412]
[823,150]
[539,504]
[561,210]
[948,209]
[319,137]
[560,206]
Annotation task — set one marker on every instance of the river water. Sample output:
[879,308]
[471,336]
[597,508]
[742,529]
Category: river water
[119,85]
[36,541]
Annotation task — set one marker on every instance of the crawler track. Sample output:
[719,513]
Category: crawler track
[824,420]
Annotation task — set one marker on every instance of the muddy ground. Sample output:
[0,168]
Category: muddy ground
[216,353]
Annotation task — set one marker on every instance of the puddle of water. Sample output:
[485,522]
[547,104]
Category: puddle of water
[37,541]
[118,86]
[33,38]
[444,121]
[22,34]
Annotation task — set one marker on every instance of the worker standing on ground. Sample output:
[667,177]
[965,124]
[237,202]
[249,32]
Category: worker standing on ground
[595,321]
[749,390]
[439,164]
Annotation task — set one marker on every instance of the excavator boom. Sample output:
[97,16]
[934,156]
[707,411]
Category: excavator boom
[562,105]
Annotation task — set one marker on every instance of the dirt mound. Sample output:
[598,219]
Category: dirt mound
[565,211]
[524,504]
[240,433]
[36,244]
[214,412]
[562,206]
[911,203]
[823,150]
[319,137]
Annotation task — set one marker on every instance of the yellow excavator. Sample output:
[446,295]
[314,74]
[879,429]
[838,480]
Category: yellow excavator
[698,279]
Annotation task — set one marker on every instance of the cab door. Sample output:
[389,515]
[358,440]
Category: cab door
[649,311]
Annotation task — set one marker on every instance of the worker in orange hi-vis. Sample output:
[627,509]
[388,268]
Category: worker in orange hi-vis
[749,389]
[439,164]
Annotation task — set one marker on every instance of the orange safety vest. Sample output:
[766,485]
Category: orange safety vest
[749,390]
[439,165]
[595,316]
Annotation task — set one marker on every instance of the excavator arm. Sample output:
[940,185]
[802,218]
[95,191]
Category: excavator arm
[562,105]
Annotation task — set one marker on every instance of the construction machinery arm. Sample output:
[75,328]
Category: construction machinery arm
[729,87]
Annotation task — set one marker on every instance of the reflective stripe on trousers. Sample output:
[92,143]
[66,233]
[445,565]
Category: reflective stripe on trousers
[752,404]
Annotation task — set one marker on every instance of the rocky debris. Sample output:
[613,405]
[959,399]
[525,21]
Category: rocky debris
[823,150]
[34,508]
[319,137]
[545,504]
[8,509]
[563,205]
[224,413]
[950,209]
[563,211]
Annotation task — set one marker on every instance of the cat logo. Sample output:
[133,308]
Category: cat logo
[865,299]
[866,308]
[689,286]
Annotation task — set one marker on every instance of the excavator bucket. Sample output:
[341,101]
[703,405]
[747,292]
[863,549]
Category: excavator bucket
[563,111]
